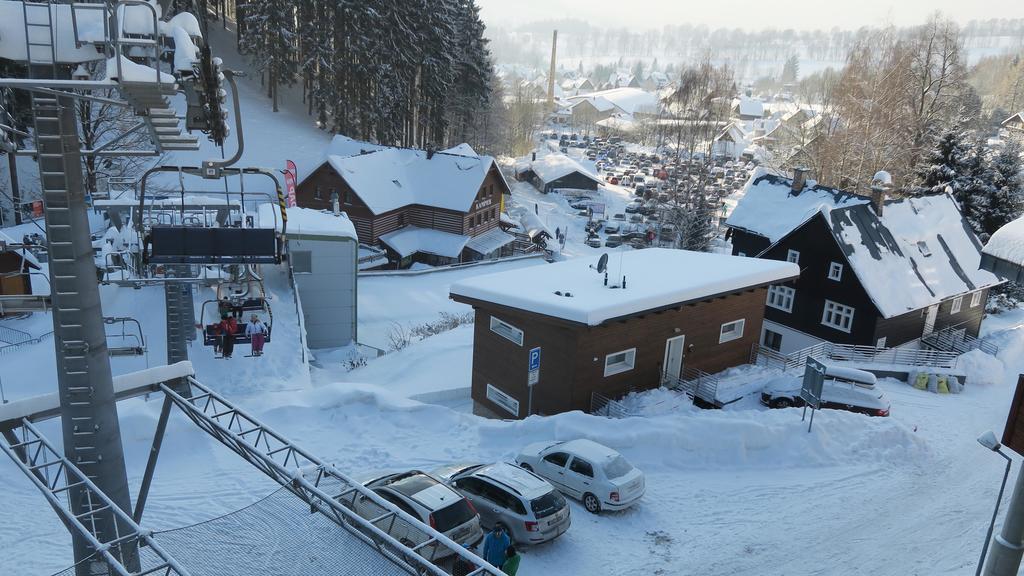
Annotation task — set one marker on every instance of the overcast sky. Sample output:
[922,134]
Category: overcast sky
[803,14]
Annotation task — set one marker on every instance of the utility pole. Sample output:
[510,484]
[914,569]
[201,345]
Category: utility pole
[1008,547]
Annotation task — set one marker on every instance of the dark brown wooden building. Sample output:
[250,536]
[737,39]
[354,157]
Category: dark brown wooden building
[15,268]
[873,272]
[392,194]
[679,311]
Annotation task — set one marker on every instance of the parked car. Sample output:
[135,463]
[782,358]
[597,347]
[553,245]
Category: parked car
[597,475]
[594,241]
[843,389]
[613,241]
[424,497]
[619,216]
[633,207]
[526,505]
[612,228]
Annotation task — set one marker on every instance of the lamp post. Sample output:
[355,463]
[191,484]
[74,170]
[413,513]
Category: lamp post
[988,440]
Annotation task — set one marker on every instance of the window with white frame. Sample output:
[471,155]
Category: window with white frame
[507,331]
[781,297]
[731,331]
[835,271]
[793,256]
[617,362]
[975,299]
[958,303]
[837,316]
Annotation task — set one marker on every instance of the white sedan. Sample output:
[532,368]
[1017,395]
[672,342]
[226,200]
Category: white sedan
[594,474]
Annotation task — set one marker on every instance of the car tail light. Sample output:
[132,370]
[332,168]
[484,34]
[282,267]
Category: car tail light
[433,523]
[614,496]
[471,507]
[884,412]
[531,526]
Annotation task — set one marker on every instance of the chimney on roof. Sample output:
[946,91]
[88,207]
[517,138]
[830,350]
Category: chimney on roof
[880,183]
[799,180]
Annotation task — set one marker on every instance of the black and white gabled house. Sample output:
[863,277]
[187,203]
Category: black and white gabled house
[873,272]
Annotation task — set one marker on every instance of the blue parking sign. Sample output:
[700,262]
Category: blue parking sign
[535,358]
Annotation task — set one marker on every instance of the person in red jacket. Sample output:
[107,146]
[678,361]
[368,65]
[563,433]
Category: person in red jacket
[228,328]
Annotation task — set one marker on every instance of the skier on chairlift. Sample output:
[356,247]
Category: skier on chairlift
[256,330]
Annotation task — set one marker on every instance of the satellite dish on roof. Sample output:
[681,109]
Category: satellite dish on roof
[602,263]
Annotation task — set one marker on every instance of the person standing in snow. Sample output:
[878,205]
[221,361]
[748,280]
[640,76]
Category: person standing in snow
[511,564]
[495,544]
[257,333]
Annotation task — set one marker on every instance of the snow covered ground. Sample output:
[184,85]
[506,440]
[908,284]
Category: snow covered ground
[729,492]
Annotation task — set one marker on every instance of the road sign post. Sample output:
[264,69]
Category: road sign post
[810,392]
[532,377]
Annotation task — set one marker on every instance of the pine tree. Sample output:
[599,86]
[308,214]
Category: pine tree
[270,40]
[947,166]
[1006,188]
[791,70]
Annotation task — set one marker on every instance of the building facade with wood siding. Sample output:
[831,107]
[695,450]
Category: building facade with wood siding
[873,272]
[612,340]
[383,190]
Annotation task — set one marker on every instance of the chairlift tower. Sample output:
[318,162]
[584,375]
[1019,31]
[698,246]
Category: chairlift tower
[88,409]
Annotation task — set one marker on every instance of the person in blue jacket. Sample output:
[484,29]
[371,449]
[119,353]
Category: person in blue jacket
[495,544]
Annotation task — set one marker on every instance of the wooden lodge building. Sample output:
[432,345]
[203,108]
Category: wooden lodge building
[660,314]
[873,272]
[16,266]
[424,206]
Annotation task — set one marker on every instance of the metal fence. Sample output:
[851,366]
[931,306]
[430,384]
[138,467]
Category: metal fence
[602,405]
[696,384]
[826,351]
[956,339]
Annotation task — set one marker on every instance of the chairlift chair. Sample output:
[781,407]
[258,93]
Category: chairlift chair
[131,342]
[210,313]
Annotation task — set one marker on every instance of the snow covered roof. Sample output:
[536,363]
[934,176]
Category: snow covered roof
[628,100]
[769,208]
[412,239]
[655,278]
[621,122]
[1007,243]
[750,107]
[555,166]
[1017,118]
[490,241]
[918,253]
[307,222]
[388,178]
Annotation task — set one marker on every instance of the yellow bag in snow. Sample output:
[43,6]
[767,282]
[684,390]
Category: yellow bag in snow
[921,382]
[943,384]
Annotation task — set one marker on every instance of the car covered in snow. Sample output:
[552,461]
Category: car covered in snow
[612,228]
[583,469]
[428,499]
[527,506]
[843,389]
[613,241]
[593,240]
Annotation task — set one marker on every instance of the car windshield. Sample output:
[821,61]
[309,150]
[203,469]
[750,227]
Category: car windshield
[452,516]
[547,504]
[617,467]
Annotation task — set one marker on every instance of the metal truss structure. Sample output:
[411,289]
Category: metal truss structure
[323,487]
[129,550]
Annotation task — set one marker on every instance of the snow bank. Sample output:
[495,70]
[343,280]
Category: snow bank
[981,368]
[676,441]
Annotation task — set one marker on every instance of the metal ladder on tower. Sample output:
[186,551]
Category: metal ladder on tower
[180,314]
[74,347]
[40,43]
